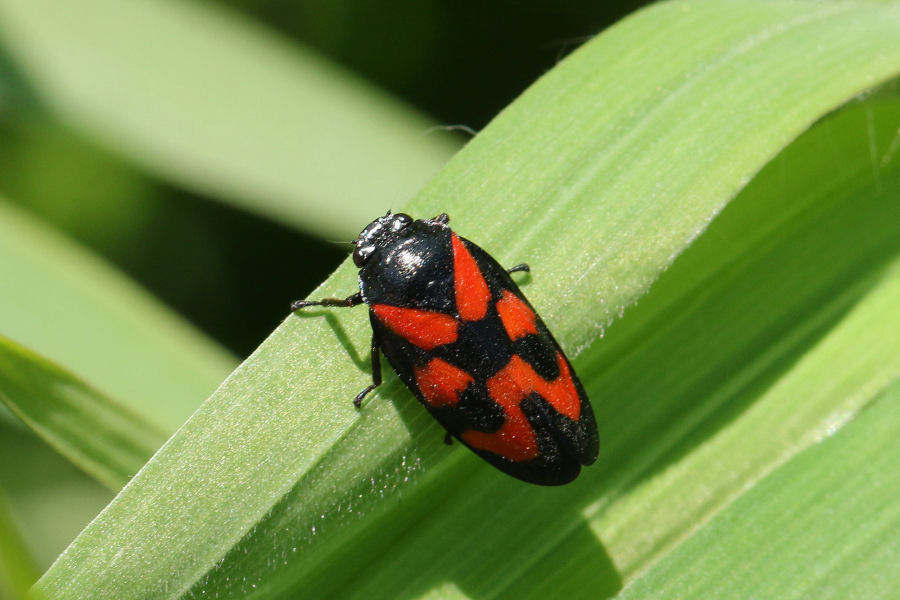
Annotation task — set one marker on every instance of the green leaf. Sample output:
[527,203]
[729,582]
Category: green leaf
[824,525]
[771,323]
[100,437]
[72,308]
[219,105]
[700,393]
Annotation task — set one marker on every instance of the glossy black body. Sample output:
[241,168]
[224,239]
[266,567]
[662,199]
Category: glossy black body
[410,264]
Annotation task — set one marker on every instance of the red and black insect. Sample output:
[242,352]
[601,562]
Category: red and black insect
[463,338]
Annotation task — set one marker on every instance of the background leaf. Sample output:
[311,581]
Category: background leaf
[601,175]
[69,306]
[216,104]
[89,429]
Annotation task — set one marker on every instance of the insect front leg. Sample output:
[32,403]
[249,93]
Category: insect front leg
[520,267]
[376,372]
[348,301]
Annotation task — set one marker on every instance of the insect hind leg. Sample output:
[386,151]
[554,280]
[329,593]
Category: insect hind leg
[376,373]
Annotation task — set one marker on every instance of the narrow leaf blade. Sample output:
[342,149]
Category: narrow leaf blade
[73,308]
[97,435]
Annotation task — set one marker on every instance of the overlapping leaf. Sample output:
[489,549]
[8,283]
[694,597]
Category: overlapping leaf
[91,430]
[69,306]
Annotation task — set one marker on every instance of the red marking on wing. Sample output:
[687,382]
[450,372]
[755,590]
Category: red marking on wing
[518,319]
[441,383]
[426,329]
[472,293]
[516,439]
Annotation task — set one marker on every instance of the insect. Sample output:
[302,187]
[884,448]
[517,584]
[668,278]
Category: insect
[463,338]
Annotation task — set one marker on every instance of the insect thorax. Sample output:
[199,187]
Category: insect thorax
[414,269]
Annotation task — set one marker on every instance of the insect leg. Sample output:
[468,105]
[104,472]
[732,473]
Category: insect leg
[376,373]
[448,439]
[348,301]
[521,267]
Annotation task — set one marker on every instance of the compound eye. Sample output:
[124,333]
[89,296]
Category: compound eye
[362,254]
[400,221]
